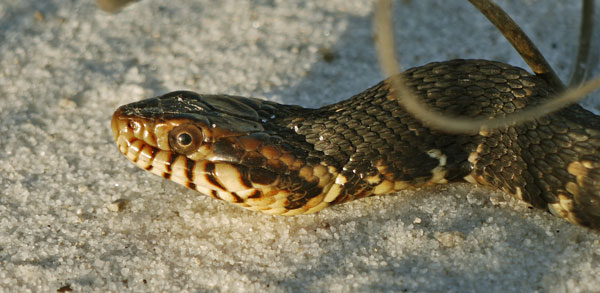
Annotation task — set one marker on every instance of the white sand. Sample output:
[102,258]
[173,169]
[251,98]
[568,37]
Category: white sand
[62,76]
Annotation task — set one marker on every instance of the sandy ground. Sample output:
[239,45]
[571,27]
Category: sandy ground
[65,66]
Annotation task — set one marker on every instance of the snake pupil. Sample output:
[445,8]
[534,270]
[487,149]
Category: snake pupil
[184,139]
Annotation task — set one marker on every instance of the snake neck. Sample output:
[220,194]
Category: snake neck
[376,147]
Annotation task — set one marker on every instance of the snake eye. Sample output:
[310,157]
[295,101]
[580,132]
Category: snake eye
[185,138]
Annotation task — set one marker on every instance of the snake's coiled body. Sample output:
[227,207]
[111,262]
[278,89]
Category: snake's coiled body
[283,159]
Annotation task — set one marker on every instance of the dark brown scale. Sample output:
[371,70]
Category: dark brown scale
[153,152]
[237,198]
[253,159]
[169,165]
[211,177]
[189,169]
[262,176]
[244,176]
[229,150]
[256,194]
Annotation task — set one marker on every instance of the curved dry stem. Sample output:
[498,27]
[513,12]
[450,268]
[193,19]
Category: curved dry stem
[582,62]
[113,6]
[387,60]
[520,41]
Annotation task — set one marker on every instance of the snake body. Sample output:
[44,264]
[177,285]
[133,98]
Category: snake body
[284,159]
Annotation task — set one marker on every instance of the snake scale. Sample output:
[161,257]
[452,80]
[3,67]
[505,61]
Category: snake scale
[284,159]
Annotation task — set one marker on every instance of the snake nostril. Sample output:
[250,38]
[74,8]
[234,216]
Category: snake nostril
[135,126]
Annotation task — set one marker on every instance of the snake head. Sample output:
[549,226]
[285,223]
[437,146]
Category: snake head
[223,146]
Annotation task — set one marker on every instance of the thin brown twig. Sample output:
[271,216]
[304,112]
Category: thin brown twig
[520,41]
[387,59]
[113,6]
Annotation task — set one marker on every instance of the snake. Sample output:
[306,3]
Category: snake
[289,160]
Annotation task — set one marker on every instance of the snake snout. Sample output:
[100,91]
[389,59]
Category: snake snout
[114,123]
[123,132]
[127,129]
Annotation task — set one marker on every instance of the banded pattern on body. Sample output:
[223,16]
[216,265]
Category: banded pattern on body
[283,159]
